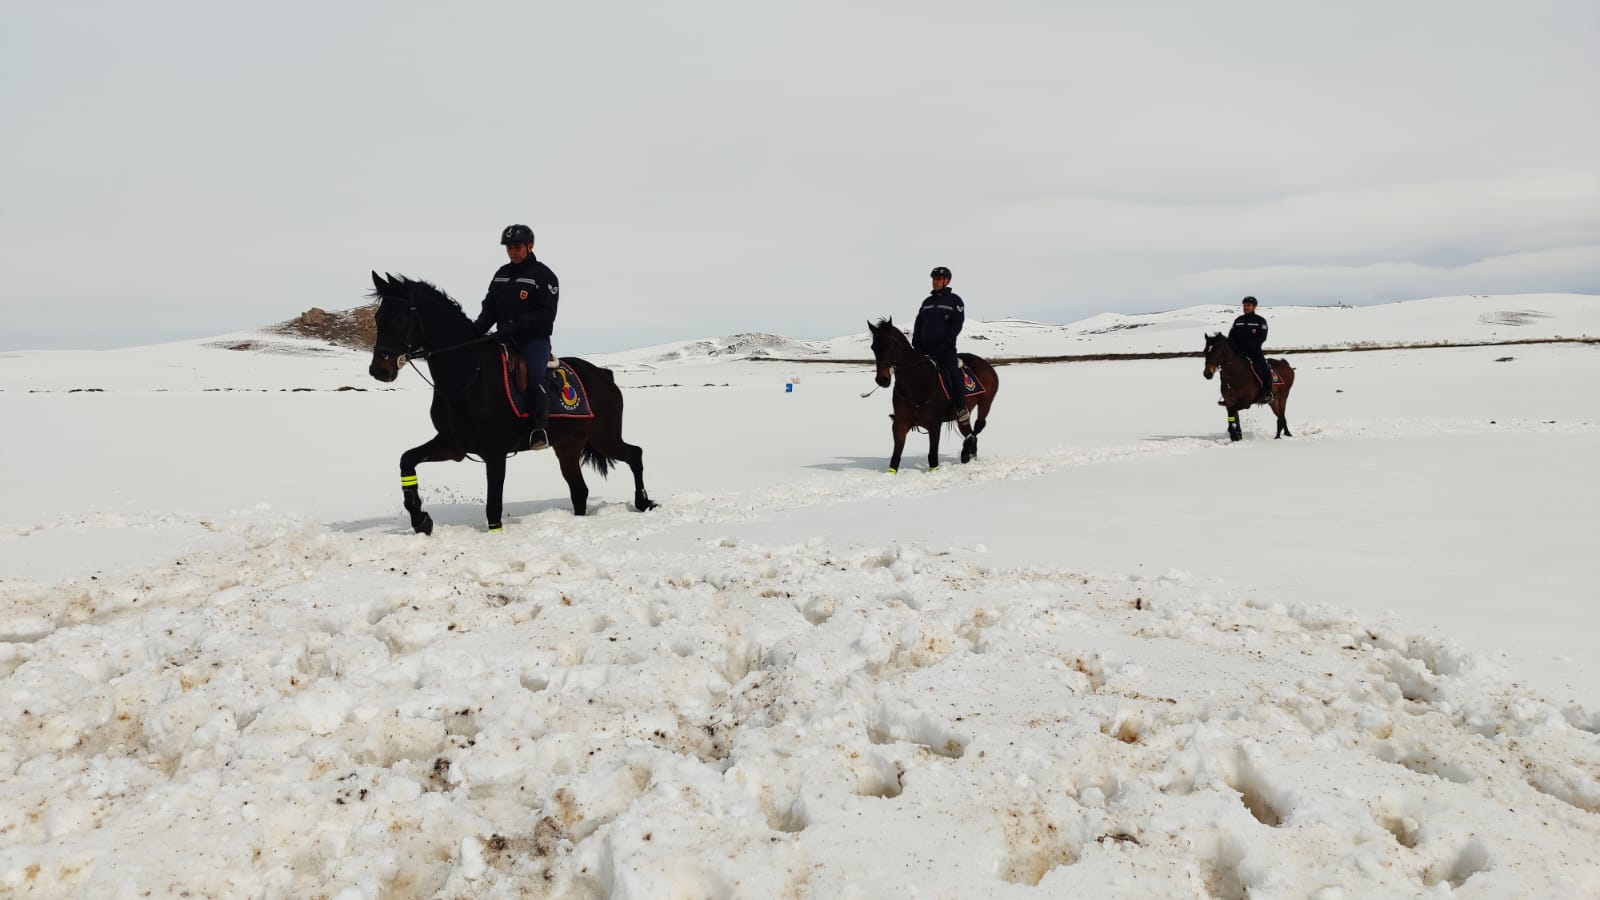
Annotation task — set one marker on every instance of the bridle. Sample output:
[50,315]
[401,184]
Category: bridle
[410,349]
[1212,346]
[897,354]
[415,340]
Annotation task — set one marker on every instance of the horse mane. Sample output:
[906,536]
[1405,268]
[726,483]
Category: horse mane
[424,292]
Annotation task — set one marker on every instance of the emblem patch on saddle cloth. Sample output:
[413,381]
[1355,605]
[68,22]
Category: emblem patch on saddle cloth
[969,384]
[568,399]
[563,389]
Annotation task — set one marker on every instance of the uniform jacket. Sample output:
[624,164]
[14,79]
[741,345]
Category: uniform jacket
[521,301]
[1248,333]
[938,321]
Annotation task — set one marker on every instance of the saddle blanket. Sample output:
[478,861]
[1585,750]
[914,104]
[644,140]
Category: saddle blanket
[563,390]
[969,383]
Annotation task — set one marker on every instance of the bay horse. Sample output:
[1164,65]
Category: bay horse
[919,401]
[1241,388]
[470,410]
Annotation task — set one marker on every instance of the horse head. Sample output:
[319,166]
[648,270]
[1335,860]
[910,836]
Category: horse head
[888,346]
[1216,353]
[399,330]
[414,319]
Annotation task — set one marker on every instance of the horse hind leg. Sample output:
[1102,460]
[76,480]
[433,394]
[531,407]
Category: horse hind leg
[569,455]
[1281,405]
[633,455]
[969,447]
[604,449]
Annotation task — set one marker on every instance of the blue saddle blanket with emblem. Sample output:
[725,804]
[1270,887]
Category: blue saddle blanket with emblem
[969,383]
[563,390]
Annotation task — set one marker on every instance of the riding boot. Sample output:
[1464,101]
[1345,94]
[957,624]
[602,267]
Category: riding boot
[539,417]
[1264,372]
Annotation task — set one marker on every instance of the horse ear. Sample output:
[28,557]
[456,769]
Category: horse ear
[376,281]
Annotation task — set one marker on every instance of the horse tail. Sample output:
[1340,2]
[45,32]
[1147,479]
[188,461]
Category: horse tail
[606,399]
[597,460]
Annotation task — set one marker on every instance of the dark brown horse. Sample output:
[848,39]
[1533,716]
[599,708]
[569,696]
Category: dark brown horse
[417,321]
[919,401]
[1241,388]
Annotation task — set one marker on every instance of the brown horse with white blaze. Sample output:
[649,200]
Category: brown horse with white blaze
[1241,388]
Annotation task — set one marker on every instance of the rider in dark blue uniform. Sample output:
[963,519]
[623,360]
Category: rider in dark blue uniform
[521,306]
[934,334]
[1248,334]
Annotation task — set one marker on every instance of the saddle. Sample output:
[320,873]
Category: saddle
[970,386]
[519,369]
[564,392]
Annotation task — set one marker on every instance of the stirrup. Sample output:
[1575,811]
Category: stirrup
[538,439]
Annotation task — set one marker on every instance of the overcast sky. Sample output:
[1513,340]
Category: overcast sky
[180,169]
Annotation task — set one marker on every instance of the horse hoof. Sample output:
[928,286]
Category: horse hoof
[893,471]
[644,504]
[423,525]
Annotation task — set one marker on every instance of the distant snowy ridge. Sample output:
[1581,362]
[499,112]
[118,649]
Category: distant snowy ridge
[744,345]
[1439,320]
[322,354]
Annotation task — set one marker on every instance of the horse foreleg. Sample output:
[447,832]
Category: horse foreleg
[902,427]
[934,431]
[494,466]
[570,454]
[1235,432]
[434,450]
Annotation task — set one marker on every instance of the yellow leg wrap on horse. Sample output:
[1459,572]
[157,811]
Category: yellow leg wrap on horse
[408,481]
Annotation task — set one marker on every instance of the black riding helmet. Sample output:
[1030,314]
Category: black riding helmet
[516,234]
[1249,300]
[939,272]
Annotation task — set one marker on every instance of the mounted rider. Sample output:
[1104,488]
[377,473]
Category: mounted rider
[1248,334]
[938,323]
[521,305]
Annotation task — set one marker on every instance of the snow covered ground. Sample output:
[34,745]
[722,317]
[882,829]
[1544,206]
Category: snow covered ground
[1116,656]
